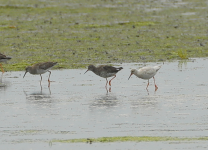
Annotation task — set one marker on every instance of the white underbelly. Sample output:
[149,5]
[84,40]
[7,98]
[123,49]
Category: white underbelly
[147,77]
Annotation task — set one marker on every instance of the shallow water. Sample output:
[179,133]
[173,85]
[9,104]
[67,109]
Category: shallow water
[77,105]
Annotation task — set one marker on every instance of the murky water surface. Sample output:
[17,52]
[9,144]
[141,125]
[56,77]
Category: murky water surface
[77,105]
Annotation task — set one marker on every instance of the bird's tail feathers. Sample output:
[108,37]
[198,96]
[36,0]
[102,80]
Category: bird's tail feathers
[120,68]
[157,67]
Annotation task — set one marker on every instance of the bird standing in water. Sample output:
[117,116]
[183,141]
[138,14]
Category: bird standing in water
[104,71]
[40,68]
[146,73]
[3,58]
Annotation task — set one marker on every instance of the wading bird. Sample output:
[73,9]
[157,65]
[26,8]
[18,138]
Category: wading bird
[40,68]
[146,73]
[104,71]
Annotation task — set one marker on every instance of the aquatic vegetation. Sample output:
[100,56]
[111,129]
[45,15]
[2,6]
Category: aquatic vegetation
[130,138]
[182,54]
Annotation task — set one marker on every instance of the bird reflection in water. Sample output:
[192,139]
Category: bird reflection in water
[40,99]
[146,104]
[40,95]
[1,78]
[105,101]
[107,90]
[4,85]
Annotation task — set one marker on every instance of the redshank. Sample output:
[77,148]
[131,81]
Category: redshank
[3,58]
[40,68]
[146,73]
[104,71]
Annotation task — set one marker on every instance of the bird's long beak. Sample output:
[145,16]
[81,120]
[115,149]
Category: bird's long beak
[25,74]
[86,71]
[130,75]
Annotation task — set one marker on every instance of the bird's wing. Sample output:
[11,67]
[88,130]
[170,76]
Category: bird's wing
[111,69]
[157,67]
[148,71]
[46,65]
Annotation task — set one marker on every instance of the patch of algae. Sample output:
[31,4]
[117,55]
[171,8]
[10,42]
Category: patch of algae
[130,138]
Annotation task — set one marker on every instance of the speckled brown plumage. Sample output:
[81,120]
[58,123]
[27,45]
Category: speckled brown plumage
[40,68]
[104,71]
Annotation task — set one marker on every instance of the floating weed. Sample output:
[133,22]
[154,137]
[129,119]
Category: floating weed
[131,138]
[182,54]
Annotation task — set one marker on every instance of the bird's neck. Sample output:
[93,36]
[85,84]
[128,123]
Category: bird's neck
[138,73]
[94,69]
[32,70]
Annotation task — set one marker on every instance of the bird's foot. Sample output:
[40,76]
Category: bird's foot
[156,87]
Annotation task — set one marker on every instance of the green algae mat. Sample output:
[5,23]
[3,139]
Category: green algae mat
[130,139]
[79,33]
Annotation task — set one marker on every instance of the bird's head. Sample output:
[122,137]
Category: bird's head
[90,68]
[26,70]
[132,72]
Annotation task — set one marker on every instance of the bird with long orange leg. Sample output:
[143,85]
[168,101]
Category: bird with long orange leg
[104,71]
[40,68]
[146,73]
